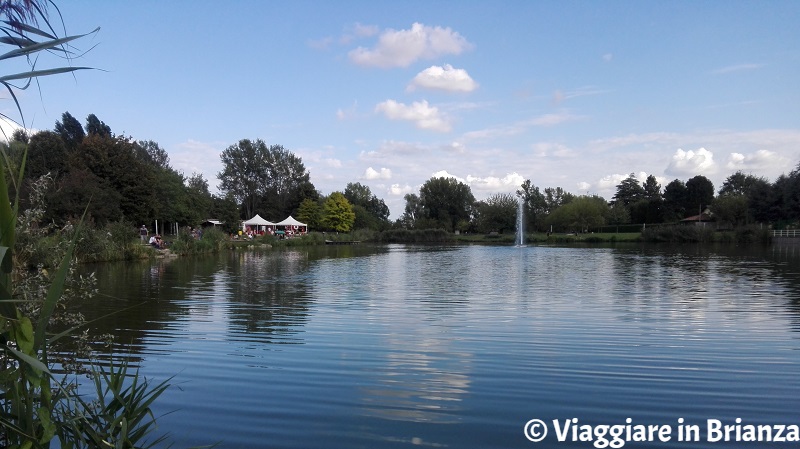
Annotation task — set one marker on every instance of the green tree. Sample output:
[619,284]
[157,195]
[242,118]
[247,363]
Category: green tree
[337,213]
[652,189]
[371,212]
[699,194]
[629,191]
[731,209]
[497,213]
[618,214]
[271,181]
[555,197]
[446,201]
[310,213]
[580,214]
[675,195]
[70,130]
[151,152]
[46,154]
[226,210]
[244,173]
[412,211]
[535,205]
[94,126]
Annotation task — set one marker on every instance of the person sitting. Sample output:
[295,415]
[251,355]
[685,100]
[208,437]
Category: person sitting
[154,242]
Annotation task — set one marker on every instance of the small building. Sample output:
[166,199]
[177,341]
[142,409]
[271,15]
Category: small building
[699,220]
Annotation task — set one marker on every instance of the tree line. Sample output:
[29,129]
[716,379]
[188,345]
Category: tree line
[743,199]
[117,179]
[127,181]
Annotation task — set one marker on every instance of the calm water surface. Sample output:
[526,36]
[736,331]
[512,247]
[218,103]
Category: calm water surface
[403,346]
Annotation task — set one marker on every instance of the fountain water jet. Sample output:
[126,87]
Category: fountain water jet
[520,237]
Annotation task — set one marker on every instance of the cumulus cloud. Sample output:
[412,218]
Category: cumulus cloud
[421,113]
[691,163]
[400,48]
[444,78]
[755,161]
[371,174]
[584,186]
[445,174]
[401,190]
[508,183]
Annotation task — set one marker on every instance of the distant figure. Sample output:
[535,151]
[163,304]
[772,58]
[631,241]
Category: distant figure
[143,234]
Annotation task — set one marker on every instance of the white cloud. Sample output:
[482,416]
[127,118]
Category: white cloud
[546,120]
[198,157]
[443,78]
[423,115]
[400,48]
[444,174]
[335,163]
[509,183]
[552,149]
[371,174]
[584,186]
[610,181]
[401,190]
[691,163]
[759,160]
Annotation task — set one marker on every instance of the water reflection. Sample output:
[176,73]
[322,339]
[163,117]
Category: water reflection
[396,345]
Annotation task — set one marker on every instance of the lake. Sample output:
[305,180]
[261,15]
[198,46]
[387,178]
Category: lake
[459,347]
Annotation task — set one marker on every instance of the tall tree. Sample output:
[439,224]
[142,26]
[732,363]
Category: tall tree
[151,152]
[70,130]
[371,212]
[497,213]
[446,201]
[629,191]
[675,194]
[46,154]
[337,213]
[244,173]
[412,211]
[94,126]
[699,194]
[535,205]
[271,181]
[310,213]
[652,189]
[556,197]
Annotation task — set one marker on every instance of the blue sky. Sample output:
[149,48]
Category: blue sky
[575,94]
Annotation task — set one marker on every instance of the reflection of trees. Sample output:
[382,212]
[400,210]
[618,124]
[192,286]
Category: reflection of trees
[138,298]
[659,282]
[268,293]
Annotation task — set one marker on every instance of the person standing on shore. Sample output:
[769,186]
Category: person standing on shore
[143,234]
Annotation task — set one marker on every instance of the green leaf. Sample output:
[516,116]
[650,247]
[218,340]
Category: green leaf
[46,45]
[38,73]
[23,335]
[56,287]
[48,428]
[30,361]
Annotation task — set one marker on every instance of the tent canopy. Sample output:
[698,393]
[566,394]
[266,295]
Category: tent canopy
[258,221]
[289,221]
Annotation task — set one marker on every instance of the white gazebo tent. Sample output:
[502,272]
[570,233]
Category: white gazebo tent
[257,221]
[292,226]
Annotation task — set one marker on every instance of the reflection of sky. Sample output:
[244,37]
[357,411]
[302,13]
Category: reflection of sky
[445,346]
